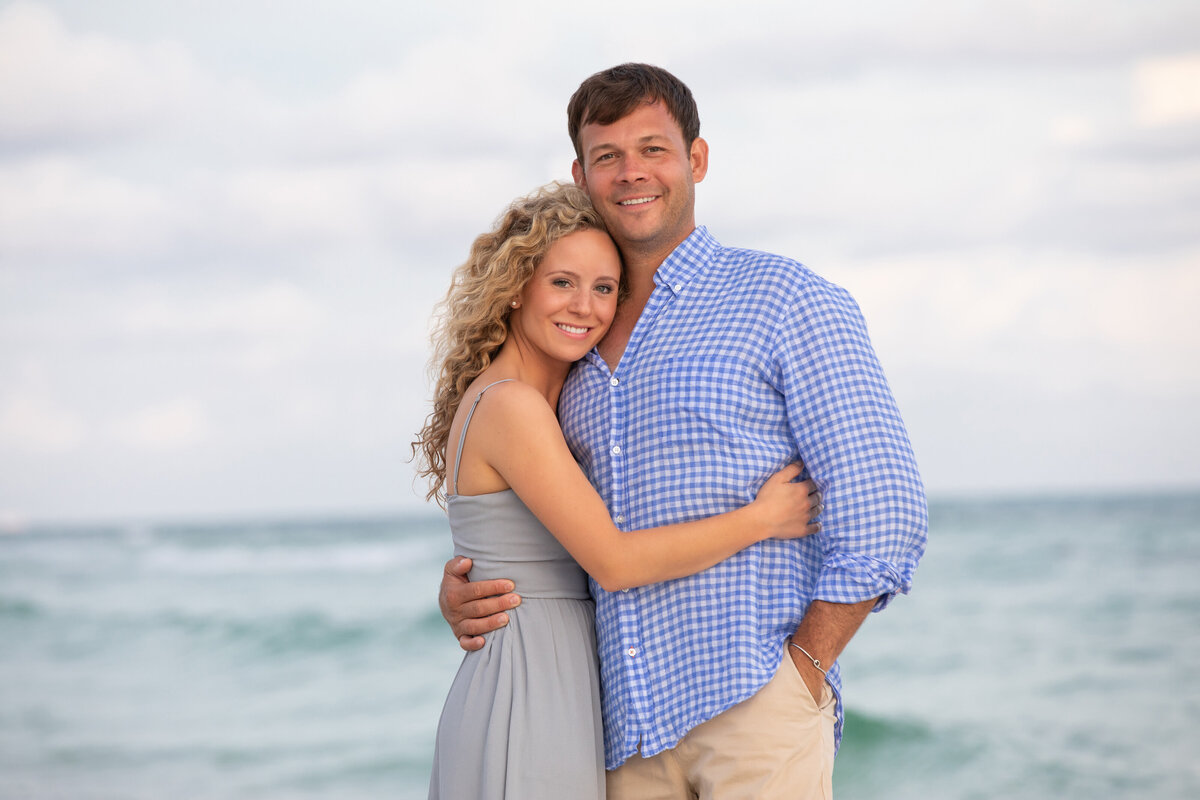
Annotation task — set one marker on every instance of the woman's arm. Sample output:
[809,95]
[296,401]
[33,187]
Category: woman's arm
[516,434]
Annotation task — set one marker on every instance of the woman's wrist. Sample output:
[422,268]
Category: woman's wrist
[760,526]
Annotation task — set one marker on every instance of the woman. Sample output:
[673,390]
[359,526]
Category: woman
[522,719]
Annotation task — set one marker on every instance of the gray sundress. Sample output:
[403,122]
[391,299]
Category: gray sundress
[522,719]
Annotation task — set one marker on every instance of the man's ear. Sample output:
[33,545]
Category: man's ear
[699,159]
[577,174]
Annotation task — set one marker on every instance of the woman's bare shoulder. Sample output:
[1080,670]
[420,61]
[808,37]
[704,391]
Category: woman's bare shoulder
[506,400]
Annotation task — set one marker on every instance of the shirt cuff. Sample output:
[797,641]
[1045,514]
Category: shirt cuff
[847,578]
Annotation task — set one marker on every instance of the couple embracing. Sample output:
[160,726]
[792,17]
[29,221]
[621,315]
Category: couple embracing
[704,431]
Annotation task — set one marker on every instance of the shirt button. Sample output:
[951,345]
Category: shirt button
[616,451]
[613,381]
[625,591]
[678,288]
[620,517]
[631,652]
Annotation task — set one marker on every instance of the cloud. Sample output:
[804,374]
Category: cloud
[59,207]
[222,231]
[150,160]
[1167,90]
[1042,331]
[251,328]
[31,422]
[178,424]
[65,88]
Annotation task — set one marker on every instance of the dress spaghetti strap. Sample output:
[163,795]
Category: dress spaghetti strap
[462,436]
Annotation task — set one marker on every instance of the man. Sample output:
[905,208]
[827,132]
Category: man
[721,366]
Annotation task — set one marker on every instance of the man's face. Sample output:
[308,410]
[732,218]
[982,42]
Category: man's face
[641,179]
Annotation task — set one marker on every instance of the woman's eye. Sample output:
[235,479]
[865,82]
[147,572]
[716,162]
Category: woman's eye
[561,283]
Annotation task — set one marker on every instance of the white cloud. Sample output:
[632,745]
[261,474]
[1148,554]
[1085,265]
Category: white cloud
[31,421]
[1167,90]
[1072,129]
[177,424]
[60,86]
[62,207]
[250,217]
[301,203]
[255,327]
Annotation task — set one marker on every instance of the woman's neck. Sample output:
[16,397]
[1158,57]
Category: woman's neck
[529,366]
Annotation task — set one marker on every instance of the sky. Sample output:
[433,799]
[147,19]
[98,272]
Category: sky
[223,226]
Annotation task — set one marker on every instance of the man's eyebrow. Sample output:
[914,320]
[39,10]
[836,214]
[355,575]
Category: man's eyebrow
[650,137]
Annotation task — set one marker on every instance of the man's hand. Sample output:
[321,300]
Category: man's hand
[473,608]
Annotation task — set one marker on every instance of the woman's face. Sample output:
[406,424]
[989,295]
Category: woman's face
[570,301]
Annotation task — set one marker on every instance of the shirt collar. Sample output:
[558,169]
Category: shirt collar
[687,260]
[684,263]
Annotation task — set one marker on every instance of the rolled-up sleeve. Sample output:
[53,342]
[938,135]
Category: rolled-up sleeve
[854,444]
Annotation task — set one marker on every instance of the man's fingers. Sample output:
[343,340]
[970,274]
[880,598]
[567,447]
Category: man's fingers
[470,643]
[487,607]
[457,567]
[466,593]
[477,626]
[470,631]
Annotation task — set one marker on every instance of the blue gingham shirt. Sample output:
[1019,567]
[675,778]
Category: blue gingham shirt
[740,363]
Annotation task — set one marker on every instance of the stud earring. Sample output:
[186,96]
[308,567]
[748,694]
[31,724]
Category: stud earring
[514,304]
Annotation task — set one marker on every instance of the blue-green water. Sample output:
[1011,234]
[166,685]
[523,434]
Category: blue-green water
[1049,650]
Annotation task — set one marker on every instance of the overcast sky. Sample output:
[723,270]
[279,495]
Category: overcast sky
[223,226]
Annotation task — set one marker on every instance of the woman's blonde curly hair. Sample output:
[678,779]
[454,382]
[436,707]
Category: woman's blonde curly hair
[472,320]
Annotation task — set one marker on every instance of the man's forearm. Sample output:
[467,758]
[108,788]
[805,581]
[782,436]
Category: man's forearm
[824,633]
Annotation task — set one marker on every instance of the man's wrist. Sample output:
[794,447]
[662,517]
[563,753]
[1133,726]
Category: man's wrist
[809,657]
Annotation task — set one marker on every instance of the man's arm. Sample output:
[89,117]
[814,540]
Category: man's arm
[849,432]
[824,633]
[473,608]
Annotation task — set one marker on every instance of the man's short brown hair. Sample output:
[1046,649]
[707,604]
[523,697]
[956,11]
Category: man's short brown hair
[613,93]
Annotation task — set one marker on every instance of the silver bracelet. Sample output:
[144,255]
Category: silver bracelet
[814,661]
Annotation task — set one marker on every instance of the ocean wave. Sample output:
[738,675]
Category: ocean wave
[284,558]
[868,730]
[285,634]
[18,608]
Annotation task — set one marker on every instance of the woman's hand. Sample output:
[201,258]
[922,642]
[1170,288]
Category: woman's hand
[788,510]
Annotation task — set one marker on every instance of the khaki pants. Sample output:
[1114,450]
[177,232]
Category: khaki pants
[776,744]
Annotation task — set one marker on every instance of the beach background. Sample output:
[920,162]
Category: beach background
[223,228]
[1048,651]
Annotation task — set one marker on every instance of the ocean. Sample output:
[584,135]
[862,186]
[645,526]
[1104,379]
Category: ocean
[1050,649]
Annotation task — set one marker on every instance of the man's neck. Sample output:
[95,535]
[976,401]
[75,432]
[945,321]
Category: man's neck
[640,267]
[642,259]
[640,278]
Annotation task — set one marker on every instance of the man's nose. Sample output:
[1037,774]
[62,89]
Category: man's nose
[633,168]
